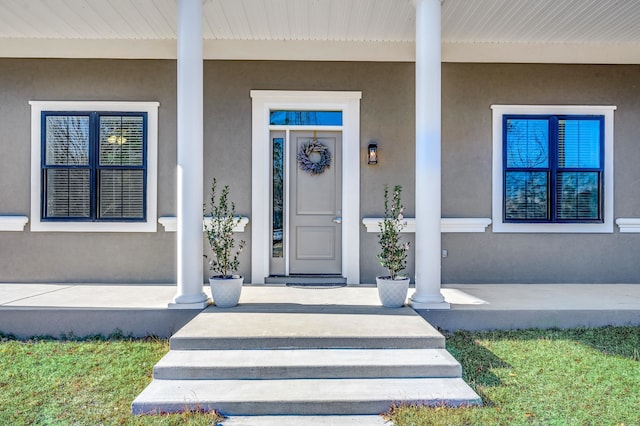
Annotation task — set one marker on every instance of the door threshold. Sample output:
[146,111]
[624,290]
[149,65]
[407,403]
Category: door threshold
[307,279]
[316,286]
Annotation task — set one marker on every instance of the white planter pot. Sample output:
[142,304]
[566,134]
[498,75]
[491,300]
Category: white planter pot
[225,292]
[392,293]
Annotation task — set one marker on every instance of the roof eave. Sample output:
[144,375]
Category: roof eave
[316,50]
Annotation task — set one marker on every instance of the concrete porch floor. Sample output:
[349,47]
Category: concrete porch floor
[139,310]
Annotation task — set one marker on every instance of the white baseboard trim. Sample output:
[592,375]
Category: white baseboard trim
[170,223]
[13,223]
[447,224]
[628,225]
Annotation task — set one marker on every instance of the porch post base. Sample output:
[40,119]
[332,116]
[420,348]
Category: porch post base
[197,305]
[429,303]
[190,301]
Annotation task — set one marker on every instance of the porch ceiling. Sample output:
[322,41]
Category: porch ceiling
[590,31]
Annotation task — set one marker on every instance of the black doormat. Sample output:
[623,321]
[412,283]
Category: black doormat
[312,286]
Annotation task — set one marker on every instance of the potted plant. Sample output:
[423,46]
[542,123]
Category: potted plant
[226,286]
[392,288]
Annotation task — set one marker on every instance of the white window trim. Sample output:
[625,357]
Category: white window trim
[151,108]
[263,101]
[497,187]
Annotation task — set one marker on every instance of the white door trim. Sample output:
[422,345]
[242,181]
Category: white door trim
[263,101]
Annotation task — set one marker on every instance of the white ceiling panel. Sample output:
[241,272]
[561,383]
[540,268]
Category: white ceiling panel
[541,21]
[480,23]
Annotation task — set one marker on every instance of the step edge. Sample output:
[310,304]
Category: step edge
[194,343]
[312,356]
[362,403]
[348,372]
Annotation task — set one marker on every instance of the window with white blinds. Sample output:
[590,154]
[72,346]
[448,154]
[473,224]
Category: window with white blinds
[553,168]
[94,166]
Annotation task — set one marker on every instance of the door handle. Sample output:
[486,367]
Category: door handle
[337,220]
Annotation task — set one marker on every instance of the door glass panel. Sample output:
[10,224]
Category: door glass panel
[305,118]
[278,197]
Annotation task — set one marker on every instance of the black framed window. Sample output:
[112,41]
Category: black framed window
[553,168]
[94,166]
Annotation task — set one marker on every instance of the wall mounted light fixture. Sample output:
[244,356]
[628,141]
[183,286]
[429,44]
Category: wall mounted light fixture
[372,157]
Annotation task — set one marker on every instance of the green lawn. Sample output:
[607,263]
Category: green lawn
[90,382]
[572,377]
[544,377]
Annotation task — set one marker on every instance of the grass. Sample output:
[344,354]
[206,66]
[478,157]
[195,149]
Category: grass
[543,377]
[533,377]
[88,382]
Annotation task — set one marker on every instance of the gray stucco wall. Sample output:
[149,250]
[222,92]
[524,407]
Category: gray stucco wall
[82,257]
[387,116]
[469,90]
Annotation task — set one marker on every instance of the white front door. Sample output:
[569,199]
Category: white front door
[315,222]
[306,194]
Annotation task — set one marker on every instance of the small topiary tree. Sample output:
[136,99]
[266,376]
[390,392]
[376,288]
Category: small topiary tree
[225,259]
[393,252]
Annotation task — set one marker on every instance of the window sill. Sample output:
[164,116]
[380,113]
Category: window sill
[447,225]
[554,228]
[13,223]
[628,225]
[170,223]
[39,226]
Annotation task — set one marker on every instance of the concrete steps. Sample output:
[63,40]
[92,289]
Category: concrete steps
[275,326]
[300,396]
[304,360]
[366,420]
[305,342]
[307,363]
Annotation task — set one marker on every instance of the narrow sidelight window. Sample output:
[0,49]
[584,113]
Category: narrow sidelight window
[278,197]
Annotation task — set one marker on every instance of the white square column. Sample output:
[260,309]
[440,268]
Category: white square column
[428,157]
[190,294]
